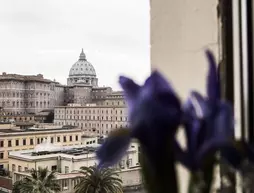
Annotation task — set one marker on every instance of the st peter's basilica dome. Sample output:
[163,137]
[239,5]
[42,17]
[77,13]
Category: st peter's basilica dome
[82,72]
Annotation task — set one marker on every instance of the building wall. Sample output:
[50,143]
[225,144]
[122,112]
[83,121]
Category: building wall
[82,95]
[57,94]
[100,93]
[69,163]
[180,31]
[9,116]
[76,165]
[130,177]
[87,140]
[5,125]
[37,137]
[28,94]
[95,119]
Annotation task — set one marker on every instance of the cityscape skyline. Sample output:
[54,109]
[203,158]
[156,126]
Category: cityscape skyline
[45,38]
[85,46]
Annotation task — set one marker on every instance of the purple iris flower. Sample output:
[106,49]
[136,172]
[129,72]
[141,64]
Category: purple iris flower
[208,122]
[154,116]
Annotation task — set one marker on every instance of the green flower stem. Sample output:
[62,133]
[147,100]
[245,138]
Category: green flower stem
[202,182]
[159,177]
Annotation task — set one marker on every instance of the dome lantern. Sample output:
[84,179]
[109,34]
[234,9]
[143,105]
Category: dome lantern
[82,55]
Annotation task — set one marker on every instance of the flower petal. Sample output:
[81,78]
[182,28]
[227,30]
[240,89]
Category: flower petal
[131,91]
[157,110]
[196,106]
[210,147]
[224,121]
[158,83]
[130,88]
[194,135]
[114,147]
[157,93]
[213,82]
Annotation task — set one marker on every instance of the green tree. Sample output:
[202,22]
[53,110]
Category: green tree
[16,186]
[95,180]
[40,181]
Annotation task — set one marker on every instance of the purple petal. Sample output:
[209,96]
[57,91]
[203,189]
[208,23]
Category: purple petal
[113,149]
[210,147]
[157,83]
[130,88]
[213,82]
[196,106]
[224,121]
[194,135]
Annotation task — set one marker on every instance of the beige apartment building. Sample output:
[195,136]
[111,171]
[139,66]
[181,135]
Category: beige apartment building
[67,162]
[9,117]
[16,139]
[21,94]
[93,118]
[41,117]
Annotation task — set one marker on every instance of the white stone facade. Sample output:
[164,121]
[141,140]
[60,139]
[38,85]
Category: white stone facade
[67,163]
[29,94]
[96,119]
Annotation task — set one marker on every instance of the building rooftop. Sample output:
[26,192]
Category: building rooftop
[48,150]
[28,130]
[24,78]
[93,106]
[51,151]
[102,88]
[25,123]
[74,151]
[18,131]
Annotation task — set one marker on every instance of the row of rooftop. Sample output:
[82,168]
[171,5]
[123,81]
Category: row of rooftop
[40,78]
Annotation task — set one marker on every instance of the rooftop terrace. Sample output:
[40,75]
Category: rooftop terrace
[48,150]
[74,151]
[34,130]
[14,131]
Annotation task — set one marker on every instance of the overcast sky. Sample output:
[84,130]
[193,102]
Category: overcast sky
[46,36]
